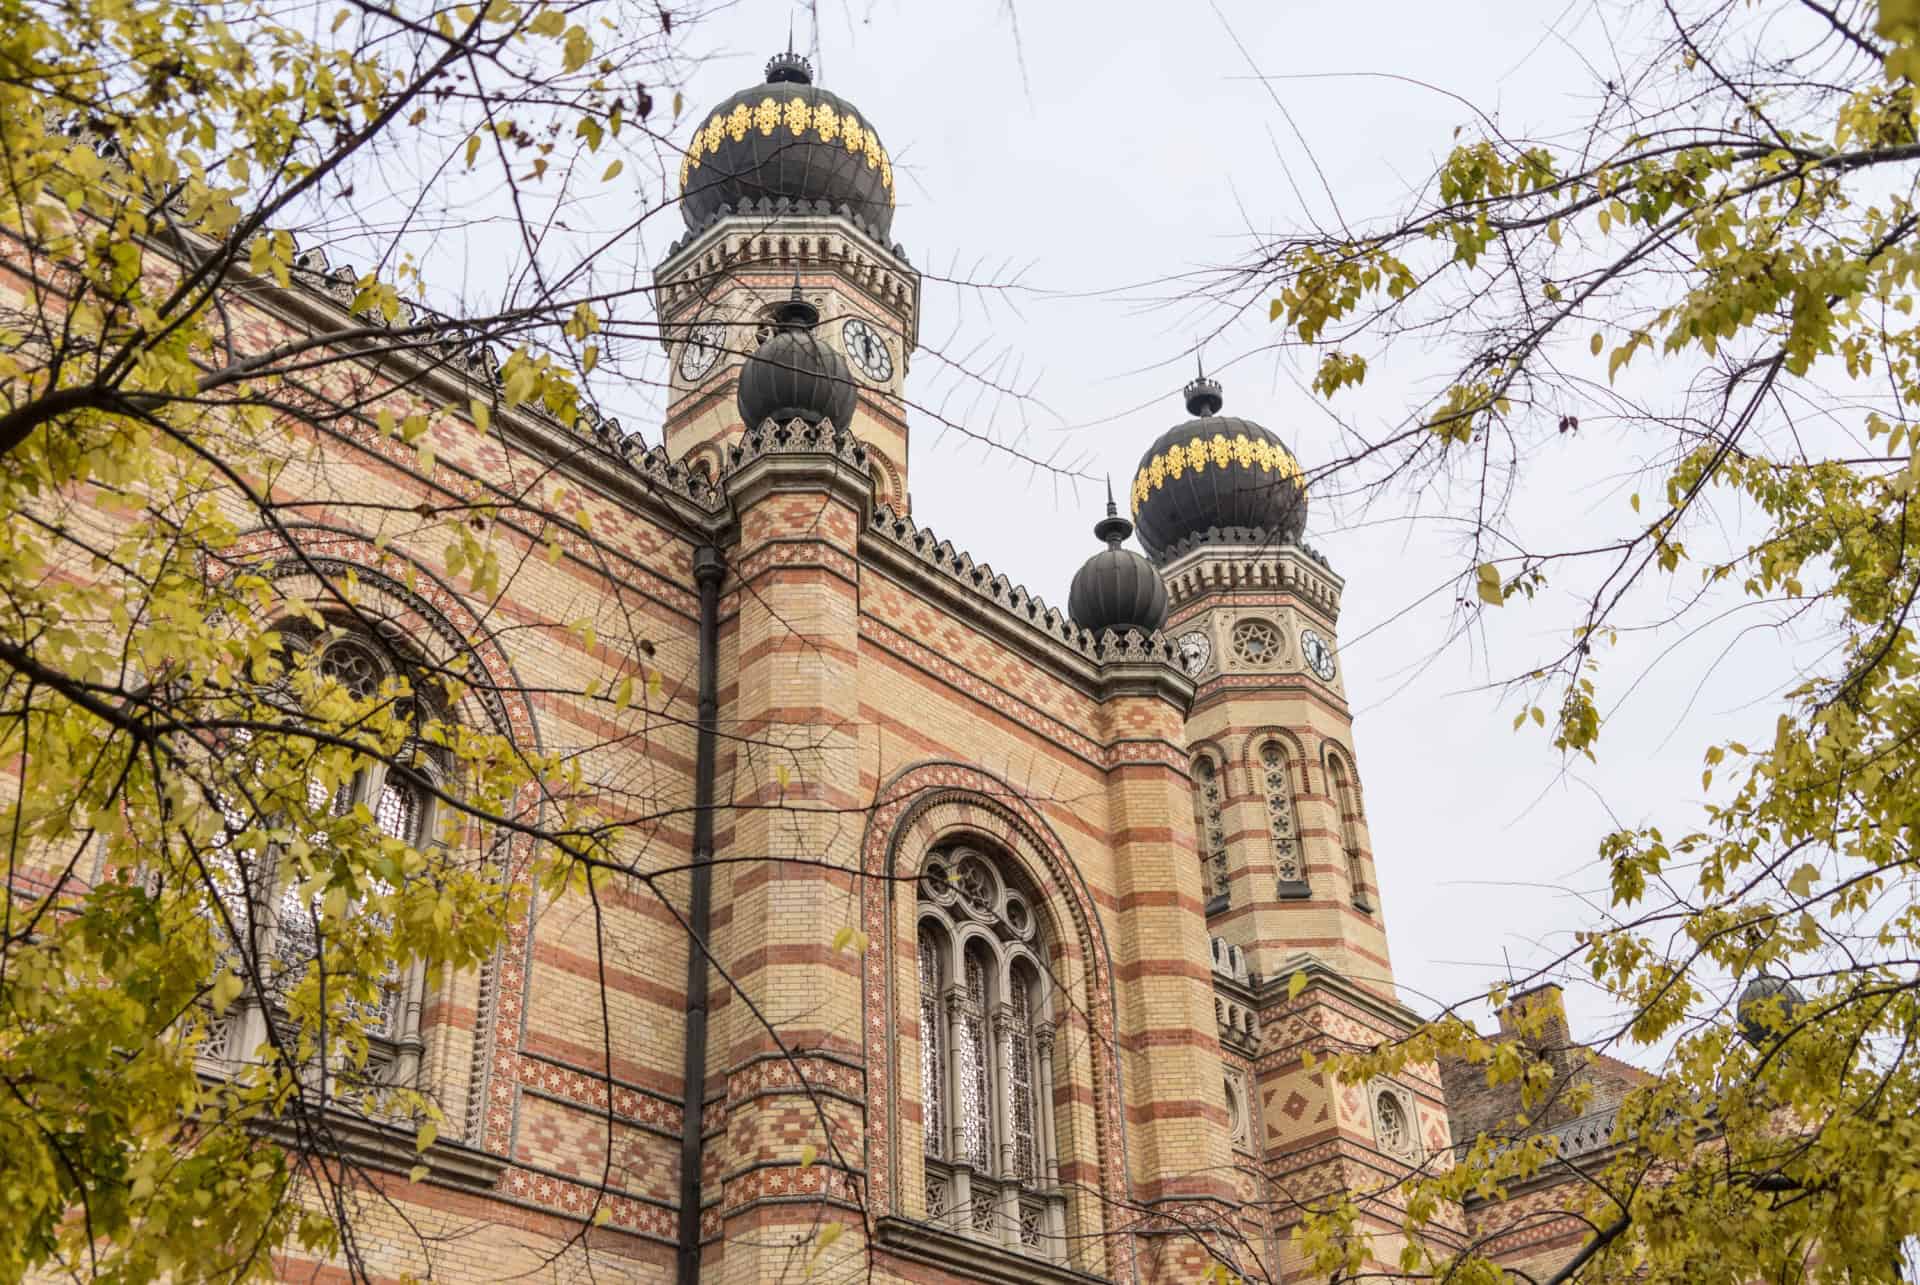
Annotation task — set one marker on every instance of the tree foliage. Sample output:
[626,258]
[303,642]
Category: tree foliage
[175,763]
[1718,267]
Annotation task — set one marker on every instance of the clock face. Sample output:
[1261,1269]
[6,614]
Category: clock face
[1195,652]
[704,344]
[1319,654]
[867,349]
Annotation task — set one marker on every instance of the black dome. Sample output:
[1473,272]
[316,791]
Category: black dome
[793,375]
[1761,1031]
[1216,471]
[787,138]
[1117,588]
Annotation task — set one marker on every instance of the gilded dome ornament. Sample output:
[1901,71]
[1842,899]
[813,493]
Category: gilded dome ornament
[787,140]
[1216,474]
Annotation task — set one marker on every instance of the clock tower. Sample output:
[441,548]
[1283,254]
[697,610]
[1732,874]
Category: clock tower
[1220,505]
[786,189]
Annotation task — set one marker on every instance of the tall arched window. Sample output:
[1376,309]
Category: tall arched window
[1210,831]
[285,928]
[1276,773]
[986,1055]
[1348,802]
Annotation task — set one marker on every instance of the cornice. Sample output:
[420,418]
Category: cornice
[1322,976]
[782,240]
[1229,565]
[972,1259]
[1110,664]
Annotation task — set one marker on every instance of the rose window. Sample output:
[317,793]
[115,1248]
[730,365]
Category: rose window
[1255,642]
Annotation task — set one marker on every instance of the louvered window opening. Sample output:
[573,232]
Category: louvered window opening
[1278,779]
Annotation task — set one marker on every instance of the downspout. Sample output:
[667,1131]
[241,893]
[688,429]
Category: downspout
[707,572]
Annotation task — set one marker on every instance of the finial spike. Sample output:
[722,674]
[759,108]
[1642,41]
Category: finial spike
[796,284]
[1112,508]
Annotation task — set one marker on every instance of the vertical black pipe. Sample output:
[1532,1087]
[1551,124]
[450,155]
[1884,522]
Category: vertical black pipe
[707,572]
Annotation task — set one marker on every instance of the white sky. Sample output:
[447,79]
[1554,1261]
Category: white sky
[1114,146]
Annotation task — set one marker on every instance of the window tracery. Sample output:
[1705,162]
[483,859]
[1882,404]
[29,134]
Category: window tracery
[1210,830]
[284,928]
[986,1077]
[1255,642]
[1277,774]
[1393,1124]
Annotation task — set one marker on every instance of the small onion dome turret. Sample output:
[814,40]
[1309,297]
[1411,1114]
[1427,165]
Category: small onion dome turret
[1117,588]
[794,375]
[1216,471]
[1762,1023]
[787,141]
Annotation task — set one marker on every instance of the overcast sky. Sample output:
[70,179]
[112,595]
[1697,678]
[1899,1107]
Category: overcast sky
[1094,152]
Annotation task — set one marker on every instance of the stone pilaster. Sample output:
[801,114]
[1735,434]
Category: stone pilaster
[785,886]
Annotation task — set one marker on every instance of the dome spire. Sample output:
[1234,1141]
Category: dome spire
[794,312]
[1203,394]
[1113,529]
[1116,588]
[789,68]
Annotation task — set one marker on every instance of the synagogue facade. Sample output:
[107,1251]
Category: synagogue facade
[996,1024]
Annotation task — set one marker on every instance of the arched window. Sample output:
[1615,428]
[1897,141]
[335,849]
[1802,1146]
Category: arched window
[1277,779]
[986,1056]
[1210,831]
[285,927]
[1348,803]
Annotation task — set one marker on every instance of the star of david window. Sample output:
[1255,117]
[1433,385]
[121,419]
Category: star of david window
[986,1063]
[1393,1124]
[1255,642]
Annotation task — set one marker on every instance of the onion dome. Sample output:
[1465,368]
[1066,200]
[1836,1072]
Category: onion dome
[794,375]
[1216,472]
[1117,588]
[1760,1023]
[792,145]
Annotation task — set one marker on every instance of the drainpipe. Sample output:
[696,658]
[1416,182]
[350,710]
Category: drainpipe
[707,572]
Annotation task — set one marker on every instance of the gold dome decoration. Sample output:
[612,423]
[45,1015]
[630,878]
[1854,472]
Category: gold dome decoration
[798,115]
[766,117]
[1218,451]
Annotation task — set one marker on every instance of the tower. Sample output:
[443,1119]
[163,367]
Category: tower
[1220,506]
[787,185]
